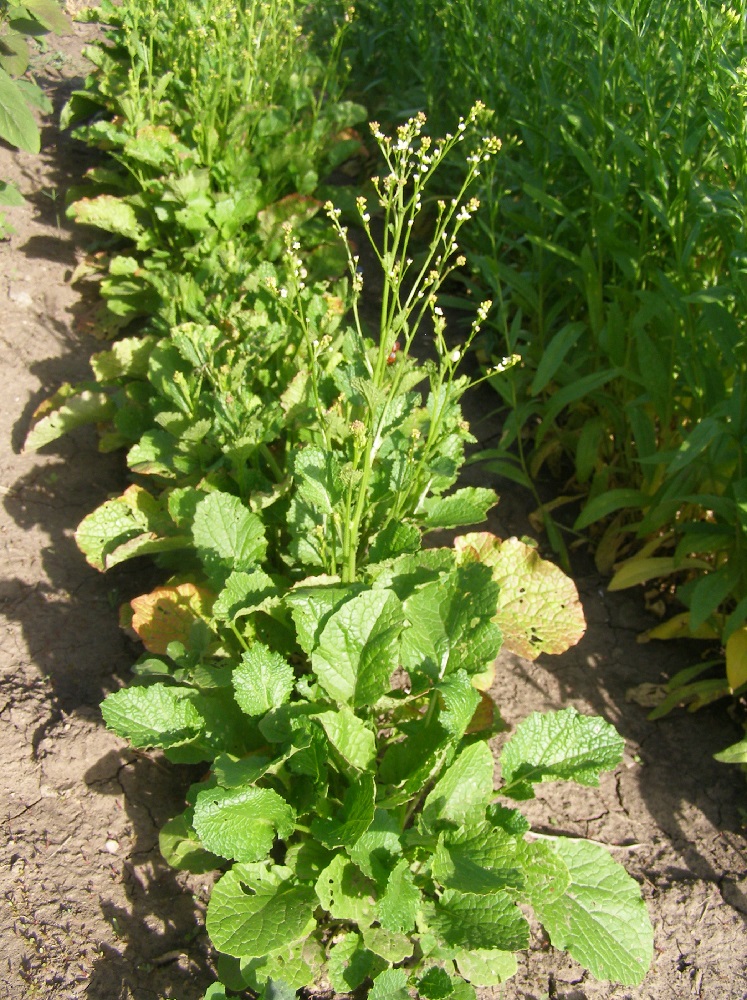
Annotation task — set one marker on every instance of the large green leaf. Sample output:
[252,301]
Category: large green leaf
[465,787]
[312,604]
[556,746]
[478,858]
[17,124]
[127,357]
[486,967]
[450,624]
[601,918]
[465,920]
[350,737]
[227,535]
[346,893]
[253,911]
[263,680]
[357,651]
[354,828]
[350,963]
[398,907]
[240,823]
[154,716]
[467,506]
[318,477]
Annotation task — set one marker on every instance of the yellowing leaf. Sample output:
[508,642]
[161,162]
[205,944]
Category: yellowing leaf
[538,609]
[736,658]
[678,627]
[637,570]
[167,614]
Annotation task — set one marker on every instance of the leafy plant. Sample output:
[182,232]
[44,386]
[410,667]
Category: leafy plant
[328,669]
[350,796]
[20,22]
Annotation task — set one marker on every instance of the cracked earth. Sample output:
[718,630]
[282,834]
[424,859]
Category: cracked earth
[87,906]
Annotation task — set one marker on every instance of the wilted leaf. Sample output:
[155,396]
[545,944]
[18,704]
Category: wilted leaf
[109,213]
[70,407]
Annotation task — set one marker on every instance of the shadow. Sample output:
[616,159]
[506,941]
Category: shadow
[161,953]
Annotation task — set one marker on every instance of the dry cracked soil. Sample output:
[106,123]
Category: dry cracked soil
[87,906]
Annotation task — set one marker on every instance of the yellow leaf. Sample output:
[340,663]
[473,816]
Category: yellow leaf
[678,627]
[736,658]
[636,570]
[167,614]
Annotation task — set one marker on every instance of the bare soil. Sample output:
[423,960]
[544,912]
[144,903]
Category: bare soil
[87,906]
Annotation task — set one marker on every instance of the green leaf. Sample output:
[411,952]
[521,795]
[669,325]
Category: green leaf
[486,967]
[182,848]
[154,716]
[10,195]
[546,875]
[312,606]
[70,408]
[450,624]
[357,651]
[467,921]
[466,506]
[345,892]
[390,985]
[538,608]
[375,849]
[114,215]
[215,992]
[435,984]
[263,680]
[398,908]
[601,919]
[253,911]
[244,593]
[389,945]
[128,357]
[464,787]
[735,754]
[48,13]
[318,476]
[350,737]
[17,124]
[478,859]
[240,823]
[556,746]
[350,963]
[607,503]
[461,700]
[554,354]
[350,831]
[227,535]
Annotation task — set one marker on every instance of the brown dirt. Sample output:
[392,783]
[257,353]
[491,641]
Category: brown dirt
[88,908]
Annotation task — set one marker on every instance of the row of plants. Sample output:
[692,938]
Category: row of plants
[291,448]
[611,239]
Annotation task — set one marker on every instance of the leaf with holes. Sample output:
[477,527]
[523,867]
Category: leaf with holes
[538,608]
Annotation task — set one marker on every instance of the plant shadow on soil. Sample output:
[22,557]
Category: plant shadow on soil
[135,918]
